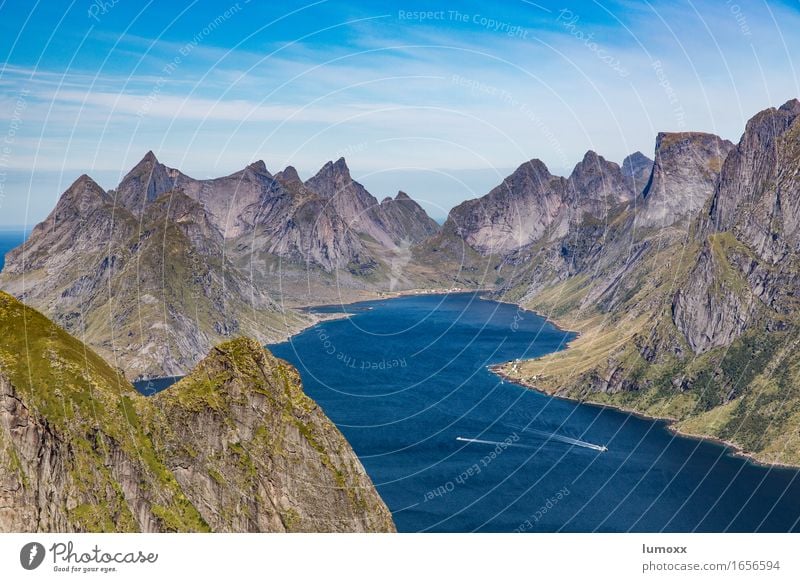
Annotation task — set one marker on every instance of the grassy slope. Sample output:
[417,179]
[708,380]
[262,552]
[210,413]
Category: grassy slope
[92,408]
[747,394]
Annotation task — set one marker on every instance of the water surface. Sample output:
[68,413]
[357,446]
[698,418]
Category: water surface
[406,381]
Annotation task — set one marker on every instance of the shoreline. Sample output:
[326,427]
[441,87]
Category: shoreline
[559,325]
[669,423]
[317,318]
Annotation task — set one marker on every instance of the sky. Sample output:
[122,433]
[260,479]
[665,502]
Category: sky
[439,99]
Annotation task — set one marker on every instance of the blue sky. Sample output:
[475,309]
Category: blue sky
[442,104]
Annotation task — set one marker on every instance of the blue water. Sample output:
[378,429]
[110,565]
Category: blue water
[405,379]
[10,238]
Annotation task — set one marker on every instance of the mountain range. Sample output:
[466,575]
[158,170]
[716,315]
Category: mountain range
[679,272]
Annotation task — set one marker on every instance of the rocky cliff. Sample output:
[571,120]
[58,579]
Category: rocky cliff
[684,175]
[317,223]
[526,207]
[236,446]
[253,453]
[696,322]
[154,273]
[151,293]
[532,206]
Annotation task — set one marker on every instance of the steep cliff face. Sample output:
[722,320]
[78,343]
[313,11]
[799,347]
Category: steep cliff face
[73,454]
[527,206]
[596,186]
[254,453]
[388,224]
[684,175]
[696,322]
[146,181]
[309,232]
[313,224]
[236,446]
[533,207]
[748,268]
[151,293]
[231,201]
[413,224]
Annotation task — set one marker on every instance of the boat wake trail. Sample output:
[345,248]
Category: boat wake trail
[493,443]
[548,436]
[552,436]
[565,439]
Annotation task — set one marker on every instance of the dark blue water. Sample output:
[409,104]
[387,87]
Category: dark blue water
[11,237]
[405,378]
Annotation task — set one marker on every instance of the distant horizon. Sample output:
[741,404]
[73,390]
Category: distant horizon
[441,103]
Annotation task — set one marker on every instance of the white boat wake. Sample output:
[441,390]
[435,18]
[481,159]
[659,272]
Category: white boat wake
[493,443]
[549,436]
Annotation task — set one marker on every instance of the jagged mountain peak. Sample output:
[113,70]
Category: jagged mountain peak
[636,168]
[633,162]
[337,170]
[685,172]
[289,175]
[259,166]
[83,191]
[85,181]
[148,161]
[591,160]
[402,196]
[596,184]
[792,106]
[150,157]
[534,168]
[341,165]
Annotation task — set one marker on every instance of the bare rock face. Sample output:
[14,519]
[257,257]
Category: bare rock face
[597,185]
[527,206]
[412,223]
[533,206]
[756,197]
[360,210]
[254,453]
[236,446]
[313,224]
[307,231]
[636,169]
[146,181]
[152,293]
[684,176]
[230,201]
[714,307]
[747,270]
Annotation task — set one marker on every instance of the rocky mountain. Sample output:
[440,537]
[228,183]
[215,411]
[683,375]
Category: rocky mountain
[527,206]
[413,225]
[684,175]
[696,322]
[151,293]
[636,168]
[154,273]
[747,269]
[532,205]
[253,453]
[317,223]
[236,446]
[388,224]
[596,186]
